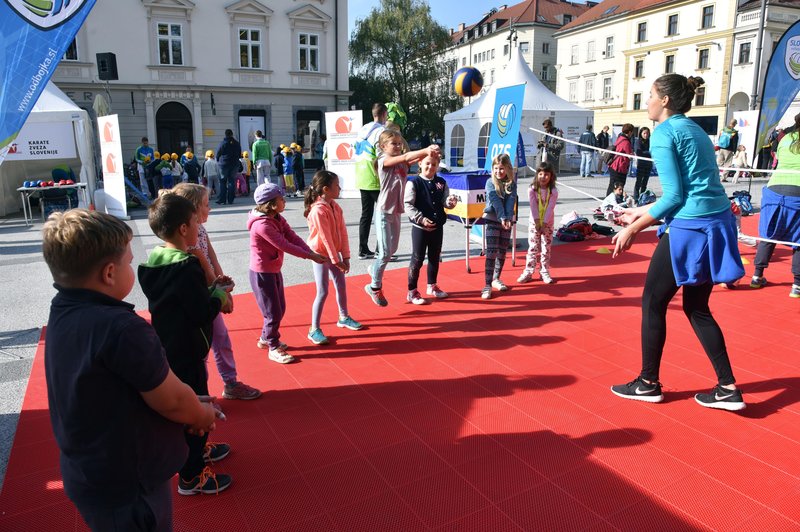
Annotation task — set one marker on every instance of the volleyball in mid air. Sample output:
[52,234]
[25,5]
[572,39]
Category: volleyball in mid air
[467,81]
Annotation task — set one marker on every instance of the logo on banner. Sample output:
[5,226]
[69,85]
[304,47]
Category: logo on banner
[46,14]
[505,118]
[13,148]
[344,125]
[108,133]
[792,57]
[111,164]
[344,152]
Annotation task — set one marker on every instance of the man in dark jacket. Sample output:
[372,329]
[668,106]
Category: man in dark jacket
[552,144]
[603,141]
[228,155]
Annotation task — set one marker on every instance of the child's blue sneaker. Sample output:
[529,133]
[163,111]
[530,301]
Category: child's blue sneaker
[317,337]
[349,323]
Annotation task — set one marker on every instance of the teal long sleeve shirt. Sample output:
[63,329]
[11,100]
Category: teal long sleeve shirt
[687,168]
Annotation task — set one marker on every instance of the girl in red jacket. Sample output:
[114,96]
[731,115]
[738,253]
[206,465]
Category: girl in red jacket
[328,237]
[618,169]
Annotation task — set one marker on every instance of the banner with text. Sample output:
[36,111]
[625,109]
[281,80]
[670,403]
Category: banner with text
[34,34]
[342,128]
[52,140]
[113,166]
[506,123]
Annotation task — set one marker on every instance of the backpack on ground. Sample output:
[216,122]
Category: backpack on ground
[569,235]
[603,230]
[646,198]
[742,200]
[724,140]
[580,225]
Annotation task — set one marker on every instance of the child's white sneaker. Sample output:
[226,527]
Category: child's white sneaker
[280,356]
[546,279]
[497,284]
[415,298]
[435,291]
[526,277]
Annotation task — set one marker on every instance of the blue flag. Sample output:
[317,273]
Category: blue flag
[781,83]
[505,127]
[34,34]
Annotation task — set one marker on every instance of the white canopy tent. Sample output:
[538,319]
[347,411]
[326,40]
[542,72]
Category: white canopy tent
[52,107]
[467,129]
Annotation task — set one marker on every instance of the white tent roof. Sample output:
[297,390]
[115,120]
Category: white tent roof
[537,96]
[52,100]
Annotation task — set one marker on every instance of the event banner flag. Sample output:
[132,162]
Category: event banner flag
[507,119]
[113,166]
[34,35]
[781,83]
[342,128]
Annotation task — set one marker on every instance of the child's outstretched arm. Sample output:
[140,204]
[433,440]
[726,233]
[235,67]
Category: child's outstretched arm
[412,156]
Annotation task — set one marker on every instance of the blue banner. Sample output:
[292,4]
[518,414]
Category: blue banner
[522,161]
[34,34]
[781,83]
[505,126]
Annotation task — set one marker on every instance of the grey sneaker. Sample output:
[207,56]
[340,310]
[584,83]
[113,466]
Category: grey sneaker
[376,296]
[758,282]
[499,285]
[239,390]
[435,291]
[415,298]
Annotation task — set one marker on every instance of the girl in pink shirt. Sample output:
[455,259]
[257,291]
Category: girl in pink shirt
[328,237]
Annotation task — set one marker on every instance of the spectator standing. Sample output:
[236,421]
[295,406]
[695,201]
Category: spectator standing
[367,175]
[552,145]
[262,158]
[143,155]
[643,168]
[587,138]
[728,142]
[603,141]
[228,155]
[618,169]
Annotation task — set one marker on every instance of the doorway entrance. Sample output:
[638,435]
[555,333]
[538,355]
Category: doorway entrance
[174,128]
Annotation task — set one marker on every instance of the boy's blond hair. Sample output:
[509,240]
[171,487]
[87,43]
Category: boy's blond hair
[191,191]
[77,243]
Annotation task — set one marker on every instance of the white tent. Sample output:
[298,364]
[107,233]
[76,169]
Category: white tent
[56,109]
[472,122]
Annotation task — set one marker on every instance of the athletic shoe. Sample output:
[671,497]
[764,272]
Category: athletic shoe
[207,482]
[349,323]
[213,452]
[316,337]
[795,291]
[546,279]
[758,282]
[376,296]
[499,285]
[486,293]
[280,356]
[525,277]
[366,256]
[415,297]
[239,390]
[721,398]
[639,390]
[394,258]
[262,344]
[435,291]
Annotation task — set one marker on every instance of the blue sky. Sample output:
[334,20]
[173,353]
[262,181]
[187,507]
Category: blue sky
[448,13]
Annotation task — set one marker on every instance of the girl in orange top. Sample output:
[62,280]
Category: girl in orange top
[328,237]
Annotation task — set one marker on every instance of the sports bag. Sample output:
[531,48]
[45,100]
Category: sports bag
[569,235]
[742,200]
[724,140]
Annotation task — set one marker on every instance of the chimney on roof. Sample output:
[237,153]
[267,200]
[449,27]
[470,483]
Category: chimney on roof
[502,7]
[461,27]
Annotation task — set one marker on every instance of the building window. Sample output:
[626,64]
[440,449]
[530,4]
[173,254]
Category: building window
[463,61]
[708,17]
[700,96]
[457,146]
[309,51]
[573,56]
[588,90]
[606,88]
[637,101]
[544,75]
[309,127]
[669,64]
[524,48]
[672,25]
[744,53]
[641,32]
[491,78]
[72,51]
[170,44]
[573,91]
[546,48]
[249,48]
[505,49]
[474,58]
[567,19]
[609,47]
[590,51]
[483,143]
[492,53]
[702,59]
[638,68]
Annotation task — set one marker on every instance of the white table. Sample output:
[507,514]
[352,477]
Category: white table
[25,194]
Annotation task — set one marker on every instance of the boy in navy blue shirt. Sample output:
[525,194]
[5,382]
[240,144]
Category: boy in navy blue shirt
[116,408]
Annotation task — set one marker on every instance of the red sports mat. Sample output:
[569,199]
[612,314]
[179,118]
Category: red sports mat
[493,415]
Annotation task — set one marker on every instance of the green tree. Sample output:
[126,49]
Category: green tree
[400,45]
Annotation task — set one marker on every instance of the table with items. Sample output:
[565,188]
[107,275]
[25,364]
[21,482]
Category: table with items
[40,188]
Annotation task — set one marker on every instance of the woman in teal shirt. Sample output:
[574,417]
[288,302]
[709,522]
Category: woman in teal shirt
[697,246]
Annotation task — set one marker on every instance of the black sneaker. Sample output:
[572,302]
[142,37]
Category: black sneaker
[207,482]
[639,390]
[366,256]
[214,452]
[721,398]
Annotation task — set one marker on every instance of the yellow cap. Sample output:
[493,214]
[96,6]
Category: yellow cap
[245,154]
[189,155]
[286,149]
[157,155]
[209,154]
[174,156]
[165,157]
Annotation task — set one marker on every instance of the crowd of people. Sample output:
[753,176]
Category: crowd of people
[157,375]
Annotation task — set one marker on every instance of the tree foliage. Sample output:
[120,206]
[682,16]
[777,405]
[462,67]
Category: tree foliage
[400,45]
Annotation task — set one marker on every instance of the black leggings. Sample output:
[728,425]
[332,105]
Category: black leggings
[659,289]
[422,241]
